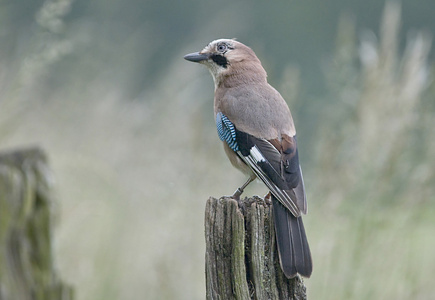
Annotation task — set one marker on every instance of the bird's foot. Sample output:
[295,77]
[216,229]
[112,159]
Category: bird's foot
[237,194]
[268,198]
[239,191]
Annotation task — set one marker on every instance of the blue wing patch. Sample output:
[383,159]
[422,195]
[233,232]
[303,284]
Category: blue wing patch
[226,131]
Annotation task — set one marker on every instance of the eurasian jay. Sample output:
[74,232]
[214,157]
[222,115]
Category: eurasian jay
[259,137]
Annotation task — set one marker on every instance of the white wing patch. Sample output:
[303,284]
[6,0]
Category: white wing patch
[256,154]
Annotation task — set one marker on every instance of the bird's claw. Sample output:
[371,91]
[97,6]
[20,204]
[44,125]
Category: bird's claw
[268,198]
[237,194]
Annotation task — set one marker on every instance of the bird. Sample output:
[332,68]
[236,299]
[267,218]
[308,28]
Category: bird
[258,134]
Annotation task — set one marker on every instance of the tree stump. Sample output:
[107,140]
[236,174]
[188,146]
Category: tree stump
[27,271]
[241,256]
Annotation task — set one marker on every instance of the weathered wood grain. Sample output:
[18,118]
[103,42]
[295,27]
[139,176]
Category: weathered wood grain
[27,271]
[241,255]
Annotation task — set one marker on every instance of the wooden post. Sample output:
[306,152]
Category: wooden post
[27,271]
[241,257]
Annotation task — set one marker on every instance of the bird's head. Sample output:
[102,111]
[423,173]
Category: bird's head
[228,59]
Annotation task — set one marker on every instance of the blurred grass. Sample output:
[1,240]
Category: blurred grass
[377,154]
[133,175]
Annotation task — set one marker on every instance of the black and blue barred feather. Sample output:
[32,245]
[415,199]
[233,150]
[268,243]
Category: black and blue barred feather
[226,131]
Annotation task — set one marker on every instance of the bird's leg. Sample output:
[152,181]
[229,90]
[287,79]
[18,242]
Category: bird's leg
[239,191]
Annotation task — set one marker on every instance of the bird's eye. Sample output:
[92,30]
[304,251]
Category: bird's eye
[222,47]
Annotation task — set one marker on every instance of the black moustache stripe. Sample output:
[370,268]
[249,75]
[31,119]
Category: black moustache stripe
[220,60]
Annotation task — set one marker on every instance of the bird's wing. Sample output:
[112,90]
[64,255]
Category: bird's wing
[275,162]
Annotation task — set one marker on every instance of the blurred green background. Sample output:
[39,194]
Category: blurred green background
[128,126]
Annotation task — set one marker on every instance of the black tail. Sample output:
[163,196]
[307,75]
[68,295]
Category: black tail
[293,249]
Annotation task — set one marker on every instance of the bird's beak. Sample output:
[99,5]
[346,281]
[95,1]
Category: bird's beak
[196,57]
